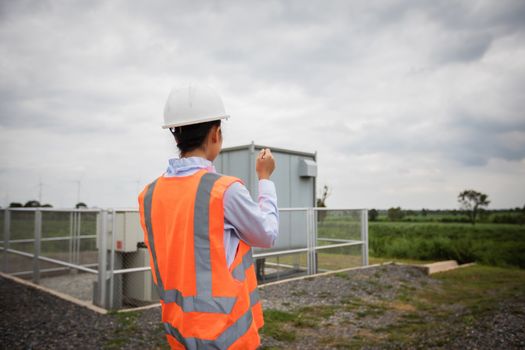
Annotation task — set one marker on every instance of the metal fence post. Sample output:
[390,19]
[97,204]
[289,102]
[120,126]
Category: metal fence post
[77,238]
[314,235]
[38,236]
[308,255]
[74,245]
[7,234]
[112,259]
[310,242]
[102,257]
[71,218]
[364,237]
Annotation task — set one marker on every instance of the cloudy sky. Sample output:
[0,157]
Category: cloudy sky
[406,102]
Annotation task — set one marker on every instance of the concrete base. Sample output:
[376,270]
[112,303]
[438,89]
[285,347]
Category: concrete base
[63,296]
[441,266]
[444,266]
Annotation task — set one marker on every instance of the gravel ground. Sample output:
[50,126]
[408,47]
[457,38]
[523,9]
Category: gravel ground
[371,300]
[35,320]
[78,285]
[355,290]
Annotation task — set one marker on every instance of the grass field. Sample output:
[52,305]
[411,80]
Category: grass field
[491,244]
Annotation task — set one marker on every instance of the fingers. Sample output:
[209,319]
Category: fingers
[265,164]
[265,153]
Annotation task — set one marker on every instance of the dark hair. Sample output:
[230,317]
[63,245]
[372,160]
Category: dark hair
[191,137]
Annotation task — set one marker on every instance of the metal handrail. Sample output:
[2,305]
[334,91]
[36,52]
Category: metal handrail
[133,269]
[337,209]
[54,261]
[45,239]
[338,245]
[58,210]
[281,252]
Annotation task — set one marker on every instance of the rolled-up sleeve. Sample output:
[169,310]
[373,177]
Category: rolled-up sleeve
[257,224]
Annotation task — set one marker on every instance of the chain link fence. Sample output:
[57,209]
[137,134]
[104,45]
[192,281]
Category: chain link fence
[54,248]
[100,255]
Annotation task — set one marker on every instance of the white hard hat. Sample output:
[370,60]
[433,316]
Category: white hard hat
[193,104]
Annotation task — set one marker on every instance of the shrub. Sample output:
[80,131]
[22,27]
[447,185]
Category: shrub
[492,244]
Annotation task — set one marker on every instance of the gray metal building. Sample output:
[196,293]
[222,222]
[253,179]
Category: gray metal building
[294,176]
[294,179]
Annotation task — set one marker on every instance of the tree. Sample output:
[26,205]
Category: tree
[395,214]
[32,204]
[472,201]
[47,205]
[372,215]
[321,203]
[81,205]
[15,205]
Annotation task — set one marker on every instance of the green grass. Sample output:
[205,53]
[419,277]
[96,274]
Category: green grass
[426,240]
[283,326]
[491,244]
[126,325]
[477,287]
[277,325]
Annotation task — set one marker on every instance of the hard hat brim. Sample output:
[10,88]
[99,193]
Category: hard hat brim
[193,121]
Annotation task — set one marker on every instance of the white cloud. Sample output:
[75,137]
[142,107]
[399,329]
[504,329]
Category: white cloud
[407,103]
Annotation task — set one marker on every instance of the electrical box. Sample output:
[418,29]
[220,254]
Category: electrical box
[295,181]
[307,168]
[294,176]
[128,232]
[138,286]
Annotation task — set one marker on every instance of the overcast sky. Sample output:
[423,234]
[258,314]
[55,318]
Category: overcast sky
[406,102]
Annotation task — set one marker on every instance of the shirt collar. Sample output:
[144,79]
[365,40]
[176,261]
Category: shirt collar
[183,166]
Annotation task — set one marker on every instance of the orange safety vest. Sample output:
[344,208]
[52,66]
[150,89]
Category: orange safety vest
[205,303]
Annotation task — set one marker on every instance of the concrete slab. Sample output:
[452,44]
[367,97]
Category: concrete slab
[441,266]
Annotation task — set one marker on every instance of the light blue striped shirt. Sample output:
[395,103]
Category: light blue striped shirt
[256,224]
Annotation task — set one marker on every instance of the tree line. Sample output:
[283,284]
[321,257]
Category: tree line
[36,204]
[473,206]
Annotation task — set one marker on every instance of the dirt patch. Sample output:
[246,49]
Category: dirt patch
[399,306]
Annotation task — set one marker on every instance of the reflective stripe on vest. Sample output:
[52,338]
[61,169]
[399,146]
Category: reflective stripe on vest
[223,341]
[203,301]
[239,271]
